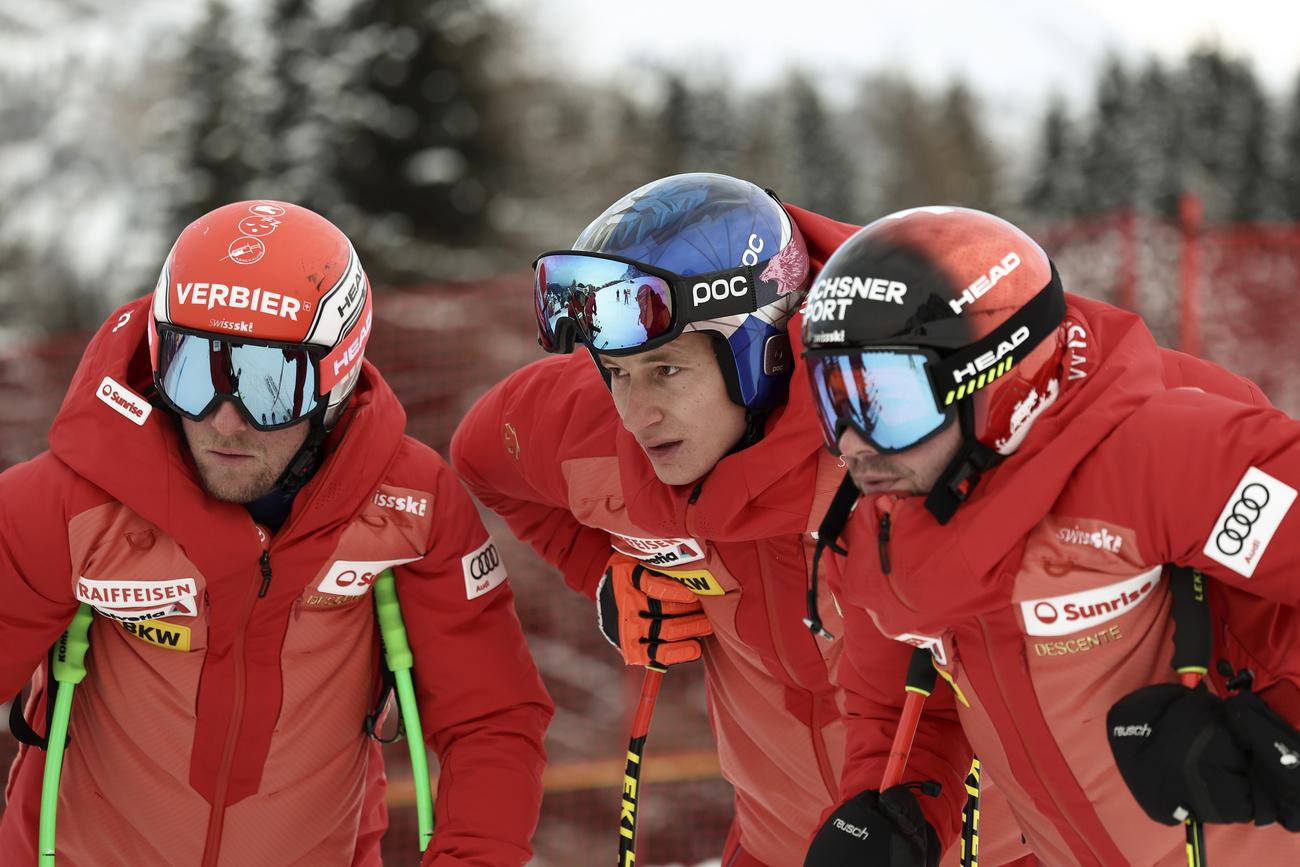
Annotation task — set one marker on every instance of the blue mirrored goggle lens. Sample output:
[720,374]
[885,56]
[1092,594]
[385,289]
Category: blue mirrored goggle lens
[275,385]
[613,305]
[886,396]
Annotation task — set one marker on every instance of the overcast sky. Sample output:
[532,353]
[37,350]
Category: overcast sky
[1008,48]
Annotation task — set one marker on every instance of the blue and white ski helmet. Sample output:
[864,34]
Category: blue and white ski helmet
[701,223]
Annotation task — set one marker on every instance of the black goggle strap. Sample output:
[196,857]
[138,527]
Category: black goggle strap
[828,536]
[968,370]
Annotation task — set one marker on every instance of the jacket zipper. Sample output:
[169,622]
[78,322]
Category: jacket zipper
[882,540]
[212,846]
[265,564]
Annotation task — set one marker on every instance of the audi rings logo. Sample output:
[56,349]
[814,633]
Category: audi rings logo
[1242,515]
[1252,515]
[483,569]
[483,563]
[1046,612]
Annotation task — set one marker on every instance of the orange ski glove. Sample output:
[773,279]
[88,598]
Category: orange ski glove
[648,616]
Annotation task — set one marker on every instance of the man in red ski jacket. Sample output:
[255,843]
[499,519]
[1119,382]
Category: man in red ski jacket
[685,505]
[1028,463]
[225,480]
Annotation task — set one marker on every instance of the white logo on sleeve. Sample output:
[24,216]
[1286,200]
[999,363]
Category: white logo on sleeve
[1248,521]
[123,401]
[483,569]
[354,577]
[1071,612]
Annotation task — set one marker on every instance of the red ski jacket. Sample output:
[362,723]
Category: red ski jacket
[547,451]
[230,670]
[1044,601]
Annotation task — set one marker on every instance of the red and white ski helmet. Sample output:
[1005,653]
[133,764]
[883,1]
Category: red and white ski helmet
[270,272]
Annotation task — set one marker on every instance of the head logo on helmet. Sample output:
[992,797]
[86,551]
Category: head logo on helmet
[979,323]
[270,273]
[721,228]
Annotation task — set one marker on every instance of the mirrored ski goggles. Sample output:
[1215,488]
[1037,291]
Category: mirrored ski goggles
[615,304]
[884,394]
[273,385]
[896,397]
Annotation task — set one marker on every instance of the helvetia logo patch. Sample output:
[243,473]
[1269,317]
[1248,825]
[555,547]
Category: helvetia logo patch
[1248,521]
[483,569]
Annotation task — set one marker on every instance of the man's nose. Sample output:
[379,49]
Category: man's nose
[641,410]
[853,445]
[226,420]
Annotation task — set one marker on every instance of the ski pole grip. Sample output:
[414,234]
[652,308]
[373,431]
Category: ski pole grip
[921,673]
[1191,613]
[397,651]
[70,654]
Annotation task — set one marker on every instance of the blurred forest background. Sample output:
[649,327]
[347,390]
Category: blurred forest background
[440,136]
[446,152]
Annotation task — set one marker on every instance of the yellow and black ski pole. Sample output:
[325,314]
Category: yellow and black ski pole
[645,708]
[1192,652]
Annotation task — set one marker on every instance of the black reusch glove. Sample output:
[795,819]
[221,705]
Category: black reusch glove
[884,829]
[1273,745]
[1187,752]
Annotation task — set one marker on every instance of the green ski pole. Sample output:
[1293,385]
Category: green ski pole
[397,653]
[69,669]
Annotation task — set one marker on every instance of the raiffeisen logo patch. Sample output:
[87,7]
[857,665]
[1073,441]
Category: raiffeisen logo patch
[1072,612]
[134,601]
[659,552]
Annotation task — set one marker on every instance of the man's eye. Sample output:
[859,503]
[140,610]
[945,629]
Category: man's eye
[616,372]
[667,370]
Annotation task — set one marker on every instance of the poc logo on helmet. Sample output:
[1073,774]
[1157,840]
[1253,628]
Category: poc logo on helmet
[729,287]
[720,290]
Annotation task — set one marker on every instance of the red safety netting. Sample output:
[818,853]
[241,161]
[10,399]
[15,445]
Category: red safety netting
[441,346]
